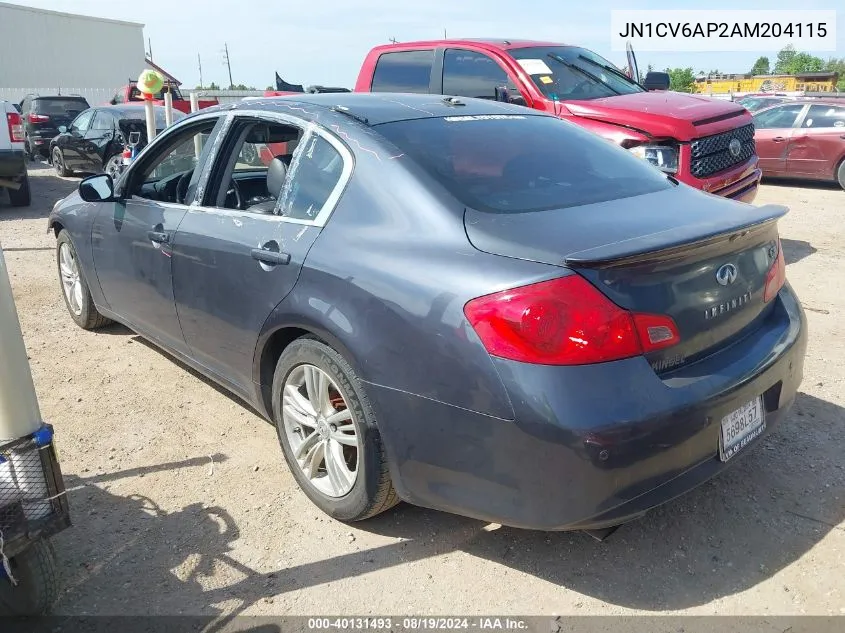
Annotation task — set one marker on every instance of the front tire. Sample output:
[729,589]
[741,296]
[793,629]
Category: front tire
[328,433]
[59,163]
[74,288]
[21,197]
[841,174]
[35,572]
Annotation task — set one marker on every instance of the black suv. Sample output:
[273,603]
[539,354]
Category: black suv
[42,115]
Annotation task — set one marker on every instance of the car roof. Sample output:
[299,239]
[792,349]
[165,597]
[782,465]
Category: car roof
[382,107]
[500,43]
[136,110]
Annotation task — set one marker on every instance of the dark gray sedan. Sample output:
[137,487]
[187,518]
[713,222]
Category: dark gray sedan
[464,304]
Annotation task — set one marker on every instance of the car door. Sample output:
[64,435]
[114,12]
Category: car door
[818,143]
[72,142]
[773,128]
[98,139]
[132,237]
[233,266]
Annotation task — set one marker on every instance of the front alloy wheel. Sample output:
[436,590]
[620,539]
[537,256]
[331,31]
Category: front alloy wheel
[71,282]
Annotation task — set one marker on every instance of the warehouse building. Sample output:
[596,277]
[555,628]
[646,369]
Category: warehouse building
[50,52]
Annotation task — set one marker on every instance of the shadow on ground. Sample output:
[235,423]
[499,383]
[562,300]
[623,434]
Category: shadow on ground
[46,188]
[797,183]
[765,513]
[796,250]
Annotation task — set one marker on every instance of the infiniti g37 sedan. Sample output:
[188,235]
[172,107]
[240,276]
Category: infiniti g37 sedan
[459,303]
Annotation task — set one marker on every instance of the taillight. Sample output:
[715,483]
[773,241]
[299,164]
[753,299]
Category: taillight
[564,321]
[38,118]
[13,120]
[776,276]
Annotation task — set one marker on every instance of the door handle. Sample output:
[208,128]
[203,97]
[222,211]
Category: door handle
[778,139]
[273,258]
[160,237]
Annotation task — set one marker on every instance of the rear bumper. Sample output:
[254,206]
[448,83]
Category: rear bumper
[12,168]
[590,446]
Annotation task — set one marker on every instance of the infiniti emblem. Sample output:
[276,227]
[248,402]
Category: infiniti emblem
[726,275]
[735,147]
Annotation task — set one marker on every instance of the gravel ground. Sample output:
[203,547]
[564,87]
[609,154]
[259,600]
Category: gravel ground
[182,503]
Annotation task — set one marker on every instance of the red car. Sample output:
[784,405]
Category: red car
[802,139]
[130,93]
[703,142]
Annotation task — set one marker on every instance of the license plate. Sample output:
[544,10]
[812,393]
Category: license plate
[741,427]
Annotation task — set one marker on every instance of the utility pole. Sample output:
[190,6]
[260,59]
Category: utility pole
[393,40]
[228,63]
[150,47]
[444,34]
[199,63]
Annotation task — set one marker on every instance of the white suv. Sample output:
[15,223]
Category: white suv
[12,159]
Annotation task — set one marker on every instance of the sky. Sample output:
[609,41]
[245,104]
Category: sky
[325,41]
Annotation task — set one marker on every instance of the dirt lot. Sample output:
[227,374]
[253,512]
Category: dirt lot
[182,503]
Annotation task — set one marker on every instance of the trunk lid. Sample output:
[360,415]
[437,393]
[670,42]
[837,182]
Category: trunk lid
[697,258]
[683,117]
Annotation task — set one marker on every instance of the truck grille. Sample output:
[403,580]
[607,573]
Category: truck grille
[711,154]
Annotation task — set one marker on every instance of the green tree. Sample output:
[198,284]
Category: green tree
[212,86]
[804,63]
[785,57]
[761,66]
[681,79]
[837,66]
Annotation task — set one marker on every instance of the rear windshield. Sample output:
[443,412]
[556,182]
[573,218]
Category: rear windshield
[517,163]
[59,106]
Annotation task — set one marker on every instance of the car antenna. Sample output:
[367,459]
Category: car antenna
[345,110]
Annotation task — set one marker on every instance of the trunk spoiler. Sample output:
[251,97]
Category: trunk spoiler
[664,244]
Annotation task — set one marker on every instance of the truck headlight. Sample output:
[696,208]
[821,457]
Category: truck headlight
[664,157]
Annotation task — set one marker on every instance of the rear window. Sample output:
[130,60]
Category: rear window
[519,163]
[403,71]
[59,106]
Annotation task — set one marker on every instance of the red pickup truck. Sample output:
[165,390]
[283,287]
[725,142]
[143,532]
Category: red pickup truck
[703,142]
[130,92]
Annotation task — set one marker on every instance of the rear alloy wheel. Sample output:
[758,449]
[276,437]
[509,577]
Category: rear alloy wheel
[74,288]
[114,166]
[328,434]
[21,197]
[59,163]
[841,174]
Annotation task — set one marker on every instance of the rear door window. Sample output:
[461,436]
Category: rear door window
[519,163]
[826,116]
[102,122]
[403,71]
[470,74]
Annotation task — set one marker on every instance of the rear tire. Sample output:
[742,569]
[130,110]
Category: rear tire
[21,197]
[113,167]
[841,174]
[59,163]
[37,588]
[74,287]
[372,491]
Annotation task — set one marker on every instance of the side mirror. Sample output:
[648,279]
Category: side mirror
[656,81]
[99,188]
[504,95]
[113,101]
[62,129]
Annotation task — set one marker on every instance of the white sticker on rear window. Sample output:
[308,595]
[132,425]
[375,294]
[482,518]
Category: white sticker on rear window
[482,117]
[535,66]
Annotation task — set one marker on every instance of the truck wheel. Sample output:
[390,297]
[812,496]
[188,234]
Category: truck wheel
[74,287]
[37,588]
[59,163]
[21,197]
[841,174]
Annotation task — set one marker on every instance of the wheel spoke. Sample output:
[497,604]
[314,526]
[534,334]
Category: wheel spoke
[307,444]
[313,459]
[300,403]
[340,417]
[340,478]
[77,294]
[317,386]
[298,417]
